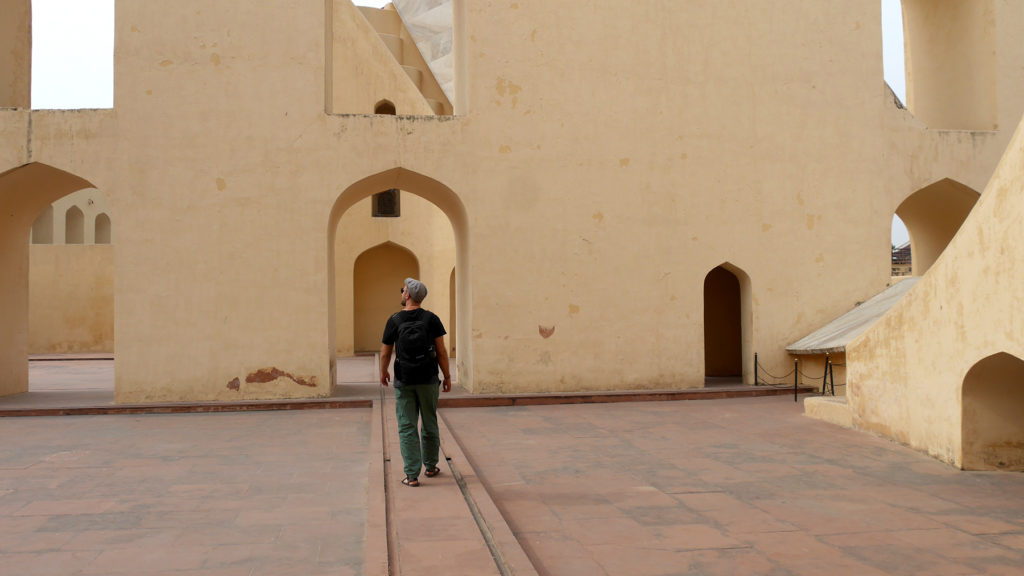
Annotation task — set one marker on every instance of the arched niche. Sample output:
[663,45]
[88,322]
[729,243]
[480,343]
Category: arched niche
[74,226]
[386,107]
[377,280]
[451,205]
[102,229]
[728,324]
[992,423]
[932,216]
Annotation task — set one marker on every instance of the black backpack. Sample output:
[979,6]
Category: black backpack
[416,355]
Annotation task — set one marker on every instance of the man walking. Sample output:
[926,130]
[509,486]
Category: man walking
[419,337]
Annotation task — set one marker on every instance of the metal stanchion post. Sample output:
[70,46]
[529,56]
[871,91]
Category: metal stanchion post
[824,376]
[757,381]
[796,377]
[831,378]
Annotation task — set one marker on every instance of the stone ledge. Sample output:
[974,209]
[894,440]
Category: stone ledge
[831,409]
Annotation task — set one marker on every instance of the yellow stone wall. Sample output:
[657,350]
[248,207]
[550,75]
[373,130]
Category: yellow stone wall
[908,373]
[600,164]
[71,302]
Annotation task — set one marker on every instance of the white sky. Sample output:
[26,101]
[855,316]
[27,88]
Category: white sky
[73,57]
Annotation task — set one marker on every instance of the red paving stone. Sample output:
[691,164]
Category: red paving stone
[741,486]
[253,493]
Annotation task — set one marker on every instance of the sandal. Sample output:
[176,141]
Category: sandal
[432,471]
[410,481]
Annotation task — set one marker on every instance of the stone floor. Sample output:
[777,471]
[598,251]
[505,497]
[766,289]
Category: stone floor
[269,493]
[738,486]
[741,486]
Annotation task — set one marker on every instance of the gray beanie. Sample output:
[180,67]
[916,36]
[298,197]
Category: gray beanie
[416,290]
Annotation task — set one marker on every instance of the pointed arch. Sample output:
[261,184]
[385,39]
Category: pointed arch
[933,215]
[451,205]
[74,226]
[25,192]
[377,278]
[102,228]
[728,323]
[992,421]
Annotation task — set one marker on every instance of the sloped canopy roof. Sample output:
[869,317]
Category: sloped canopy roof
[833,337]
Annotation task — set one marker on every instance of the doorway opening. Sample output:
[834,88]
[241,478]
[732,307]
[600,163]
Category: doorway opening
[58,299]
[727,326]
[429,241]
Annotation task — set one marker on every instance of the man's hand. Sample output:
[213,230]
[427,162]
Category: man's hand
[447,384]
[385,377]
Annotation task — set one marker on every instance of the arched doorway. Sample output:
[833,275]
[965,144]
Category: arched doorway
[451,206]
[25,193]
[932,216]
[726,325]
[377,277]
[992,425]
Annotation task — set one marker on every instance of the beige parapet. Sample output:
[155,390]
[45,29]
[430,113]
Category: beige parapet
[71,300]
[831,409]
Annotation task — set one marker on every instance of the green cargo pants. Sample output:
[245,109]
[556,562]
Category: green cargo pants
[413,403]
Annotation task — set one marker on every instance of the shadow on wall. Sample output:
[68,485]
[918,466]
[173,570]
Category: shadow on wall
[993,414]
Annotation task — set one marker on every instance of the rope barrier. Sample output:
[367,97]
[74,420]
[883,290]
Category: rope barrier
[775,377]
[811,377]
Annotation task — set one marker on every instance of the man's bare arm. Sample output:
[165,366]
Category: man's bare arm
[385,361]
[442,361]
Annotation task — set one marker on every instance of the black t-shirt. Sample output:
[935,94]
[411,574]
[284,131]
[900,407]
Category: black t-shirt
[434,329]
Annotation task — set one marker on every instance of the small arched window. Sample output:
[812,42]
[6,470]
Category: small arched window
[385,107]
[74,226]
[102,229]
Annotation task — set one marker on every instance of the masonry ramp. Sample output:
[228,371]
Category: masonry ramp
[833,337]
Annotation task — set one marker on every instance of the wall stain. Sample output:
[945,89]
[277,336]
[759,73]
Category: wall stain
[166,63]
[623,162]
[504,149]
[573,309]
[264,375]
[221,184]
[215,59]
[546,331]
[235,385]
[598,217]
